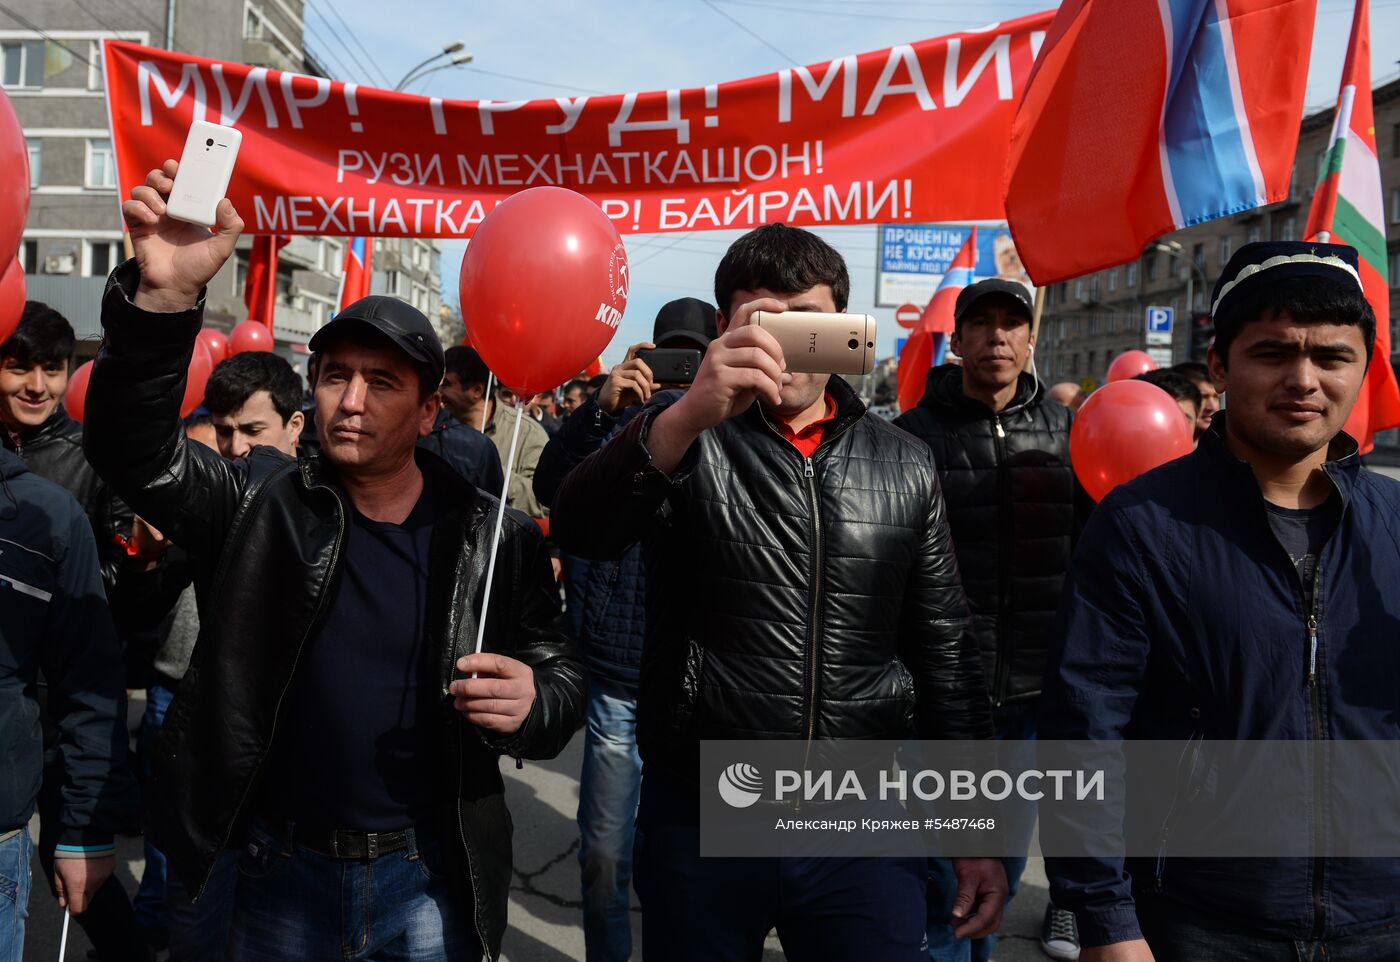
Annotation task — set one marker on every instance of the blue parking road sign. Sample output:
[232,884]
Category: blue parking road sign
[1159,320]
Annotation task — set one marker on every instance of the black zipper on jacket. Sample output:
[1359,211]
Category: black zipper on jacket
[315,621]
[810,693]
[1313,685]
[1319,752]
[1002,670]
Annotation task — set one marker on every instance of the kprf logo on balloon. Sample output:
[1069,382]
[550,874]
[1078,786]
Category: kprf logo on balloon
[740,785]
[619,281]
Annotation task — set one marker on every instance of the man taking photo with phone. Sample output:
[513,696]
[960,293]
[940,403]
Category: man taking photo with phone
[801,584]
[335,724]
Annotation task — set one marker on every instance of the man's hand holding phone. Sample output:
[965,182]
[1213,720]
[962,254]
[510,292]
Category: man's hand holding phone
[629,384]
[177,259]
[743,366]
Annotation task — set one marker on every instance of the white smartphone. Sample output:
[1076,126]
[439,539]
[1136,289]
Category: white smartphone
[206,167]
[816,343]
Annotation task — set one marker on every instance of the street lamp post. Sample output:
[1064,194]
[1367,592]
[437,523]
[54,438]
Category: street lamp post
[447,51]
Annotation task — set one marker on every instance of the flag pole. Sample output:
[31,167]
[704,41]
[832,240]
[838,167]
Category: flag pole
[1035,323]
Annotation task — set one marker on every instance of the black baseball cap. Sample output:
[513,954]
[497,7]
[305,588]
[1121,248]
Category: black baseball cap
[686,319]
[973,293]
[405,327]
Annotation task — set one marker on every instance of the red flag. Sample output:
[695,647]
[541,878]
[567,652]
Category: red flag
[359,270]
[1146,116]
[260,284]
[926,346]
[1349,208]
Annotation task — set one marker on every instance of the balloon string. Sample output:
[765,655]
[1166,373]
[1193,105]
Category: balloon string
[500,518]
[486,402]
[63,941]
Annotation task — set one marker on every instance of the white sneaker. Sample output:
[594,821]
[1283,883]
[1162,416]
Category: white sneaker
[1059,935]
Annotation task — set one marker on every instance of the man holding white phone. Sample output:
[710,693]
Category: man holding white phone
[333,724]
[776,517]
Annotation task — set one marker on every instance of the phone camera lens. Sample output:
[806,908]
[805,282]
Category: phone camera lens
[209,142]
[853,344]
[870,344]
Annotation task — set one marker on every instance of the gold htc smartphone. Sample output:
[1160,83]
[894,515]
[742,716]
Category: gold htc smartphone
[822,343]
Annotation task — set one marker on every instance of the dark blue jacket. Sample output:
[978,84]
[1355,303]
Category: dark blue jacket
[1183,618]
[54,617]
[471,453]
[606,600]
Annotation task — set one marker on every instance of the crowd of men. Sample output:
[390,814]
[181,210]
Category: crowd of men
[298,582]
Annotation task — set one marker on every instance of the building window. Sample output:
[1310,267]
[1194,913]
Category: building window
[252,24]
[1255,233]
[1130,277]
[94,80]
[29,256]
[1113,280]
[1395,206]
[1079,292]
[23,63]
[36,157]
[101,166]
[1150,267]
[1395,141]
[102,256]
[1394,269]
[1227,247]
[393,282]
[1198,255]
[1290,229]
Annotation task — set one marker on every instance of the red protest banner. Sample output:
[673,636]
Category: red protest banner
[917,132]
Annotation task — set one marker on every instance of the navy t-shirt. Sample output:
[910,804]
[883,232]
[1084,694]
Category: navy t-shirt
[355,745]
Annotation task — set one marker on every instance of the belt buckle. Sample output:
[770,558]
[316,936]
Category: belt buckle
[371,845]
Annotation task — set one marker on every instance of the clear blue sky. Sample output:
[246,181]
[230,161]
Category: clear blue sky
[548,48]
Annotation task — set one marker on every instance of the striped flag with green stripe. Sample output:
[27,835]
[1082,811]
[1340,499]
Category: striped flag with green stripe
[1348,207]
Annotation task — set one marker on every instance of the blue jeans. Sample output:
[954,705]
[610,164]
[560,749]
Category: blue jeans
[148,906]
[199,930]
[609,789]
[15,882]
[292,903]
[720,909]
[1178,934]
[1013,724]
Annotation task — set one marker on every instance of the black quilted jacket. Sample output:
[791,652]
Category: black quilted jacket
[1012,507]
[787,597]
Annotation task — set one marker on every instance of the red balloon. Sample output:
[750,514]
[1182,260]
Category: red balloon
[196,376]
[1129,365]
[76,395]
[11,299]
[544,283]
[249,336]
[14,181]
[1125,429]
[216,343]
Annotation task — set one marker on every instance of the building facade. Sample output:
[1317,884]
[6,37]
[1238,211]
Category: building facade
[51,69]
[1089,320]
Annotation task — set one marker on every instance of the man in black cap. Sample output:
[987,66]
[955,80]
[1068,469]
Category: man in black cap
[1002,453]
[1244,592]
[606,602]
[335,724]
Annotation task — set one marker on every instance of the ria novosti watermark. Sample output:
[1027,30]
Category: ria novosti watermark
[1191,798]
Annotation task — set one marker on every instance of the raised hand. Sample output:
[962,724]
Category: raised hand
[629,384]
[176,258]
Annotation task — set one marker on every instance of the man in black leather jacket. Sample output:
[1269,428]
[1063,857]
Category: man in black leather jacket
[332,723]
[1002,454]
[801,585]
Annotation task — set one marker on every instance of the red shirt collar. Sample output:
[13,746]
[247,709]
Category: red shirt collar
[809,438]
